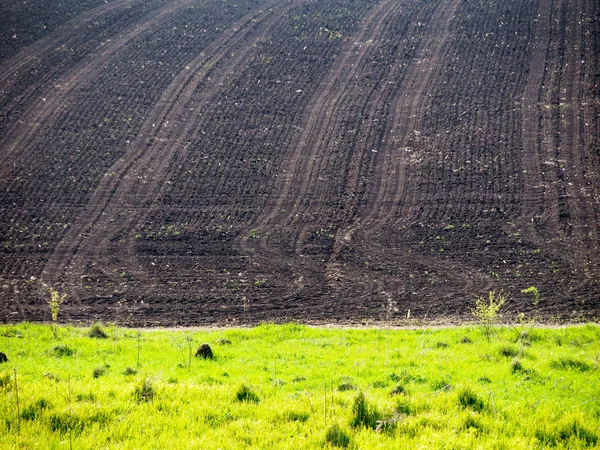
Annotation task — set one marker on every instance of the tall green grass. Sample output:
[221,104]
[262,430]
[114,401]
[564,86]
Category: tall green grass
[297,387]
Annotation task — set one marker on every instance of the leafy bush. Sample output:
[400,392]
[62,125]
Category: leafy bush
[246,394]
[337,436]
[487,312]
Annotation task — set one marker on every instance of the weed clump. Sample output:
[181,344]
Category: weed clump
[100,370]
[508,351]
[346,384]
[473,423]
[466,340]
[337,436]
[517,367]
[571,429]
[144,392]
[129,372]
[204,352]
[5,381]
[97,332]
[62,350]
[35,410]
[566,363]
[246,394]
[296,416]
[223,342]
[467,398]
[363,414]
[70,422]
[398,389]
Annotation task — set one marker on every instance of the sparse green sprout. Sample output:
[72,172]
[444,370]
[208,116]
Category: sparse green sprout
[534,291]
[487,311]
[54,303]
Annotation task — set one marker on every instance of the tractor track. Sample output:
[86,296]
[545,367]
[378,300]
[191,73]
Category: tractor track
[121,198]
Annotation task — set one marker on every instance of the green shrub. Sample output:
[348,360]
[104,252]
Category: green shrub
[337,436]
[246,394]
[467,398]
[486,312]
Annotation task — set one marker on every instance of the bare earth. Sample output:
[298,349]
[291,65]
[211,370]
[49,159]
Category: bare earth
[201,162]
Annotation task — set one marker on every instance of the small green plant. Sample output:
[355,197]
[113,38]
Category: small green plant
[246,394]
[534,291]
[487,311]
[337,436]
[54,303]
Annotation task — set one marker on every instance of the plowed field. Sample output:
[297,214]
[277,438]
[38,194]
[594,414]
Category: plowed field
[182,162]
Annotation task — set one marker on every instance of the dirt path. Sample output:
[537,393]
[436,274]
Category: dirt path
[124,195]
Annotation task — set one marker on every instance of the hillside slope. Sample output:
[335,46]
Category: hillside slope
[210,161]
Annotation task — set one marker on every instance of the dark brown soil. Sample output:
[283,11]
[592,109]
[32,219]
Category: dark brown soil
[341,161]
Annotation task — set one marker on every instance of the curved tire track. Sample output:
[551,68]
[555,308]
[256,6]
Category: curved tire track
[37,119]
[136,179]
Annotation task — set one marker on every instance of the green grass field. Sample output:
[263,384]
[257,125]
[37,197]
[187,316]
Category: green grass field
[297,387]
